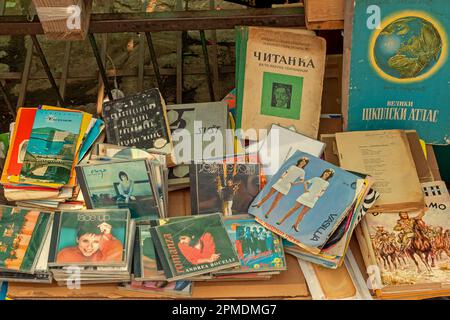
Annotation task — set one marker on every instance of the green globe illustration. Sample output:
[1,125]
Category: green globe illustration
[407,48]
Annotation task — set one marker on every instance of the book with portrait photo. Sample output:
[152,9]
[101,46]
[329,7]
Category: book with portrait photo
[279,78]
[139,121]
[258,249]
[226,185]
[91,238]
[306,200]
[194,247]
[120,184]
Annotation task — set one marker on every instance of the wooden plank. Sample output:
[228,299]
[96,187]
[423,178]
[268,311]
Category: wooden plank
[324,10]
[65,71]
[25,74]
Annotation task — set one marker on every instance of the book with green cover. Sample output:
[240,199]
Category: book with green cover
[197,246]
[279,78]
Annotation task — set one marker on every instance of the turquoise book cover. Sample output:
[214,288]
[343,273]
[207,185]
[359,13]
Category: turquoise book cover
[398,67]
[51,149]
[305,200]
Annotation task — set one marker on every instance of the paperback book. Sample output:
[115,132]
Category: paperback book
[279,78]
[396,68]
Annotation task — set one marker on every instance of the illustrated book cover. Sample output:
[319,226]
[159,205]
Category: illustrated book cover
[396,67]
[194,247]
[279,78]
[51,148]
[407,252]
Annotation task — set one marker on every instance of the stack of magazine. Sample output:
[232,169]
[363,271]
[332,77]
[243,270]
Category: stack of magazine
[314,206]
[92,246]
[45,145]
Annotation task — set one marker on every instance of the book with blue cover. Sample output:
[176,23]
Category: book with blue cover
[396,67]
[306,200]
[52,147]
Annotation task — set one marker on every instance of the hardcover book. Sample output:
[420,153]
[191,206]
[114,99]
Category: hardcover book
[22,236]
[408,251]
[194,247]
[138,121]
[224,185]
[279,79]
[90,238]
[306,200]
[119,184]
[396,67]
[258,249]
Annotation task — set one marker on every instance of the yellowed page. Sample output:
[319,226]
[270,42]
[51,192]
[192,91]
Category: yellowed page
[335,283]
[386,156]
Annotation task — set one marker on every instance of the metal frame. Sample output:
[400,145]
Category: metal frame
[145,24]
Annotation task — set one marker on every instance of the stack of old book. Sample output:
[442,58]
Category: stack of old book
[404,236]
[45,145]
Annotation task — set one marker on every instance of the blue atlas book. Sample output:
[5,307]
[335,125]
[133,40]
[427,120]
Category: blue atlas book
[306,200]
[396,67]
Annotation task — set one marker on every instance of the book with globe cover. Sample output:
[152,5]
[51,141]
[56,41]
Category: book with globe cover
[396,67]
